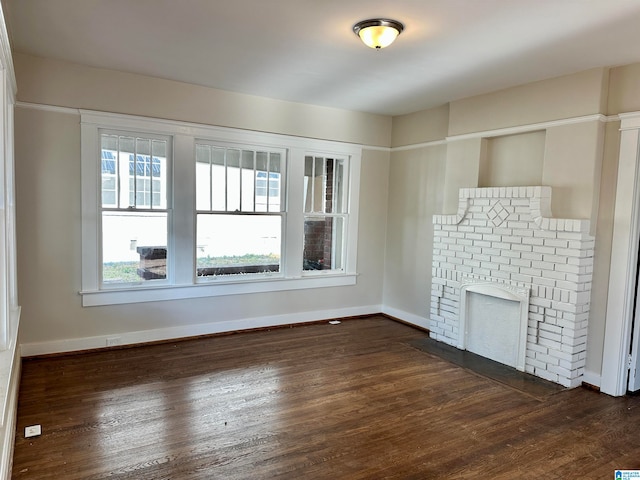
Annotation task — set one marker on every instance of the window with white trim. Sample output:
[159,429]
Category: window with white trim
[134,214]
[325,213]
[9,308]
[240,210]
[173,210]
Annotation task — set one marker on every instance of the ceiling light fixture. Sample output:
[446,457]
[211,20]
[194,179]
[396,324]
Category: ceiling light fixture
[378,32]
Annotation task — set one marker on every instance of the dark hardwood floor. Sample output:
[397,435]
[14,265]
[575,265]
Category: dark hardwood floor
[348,401]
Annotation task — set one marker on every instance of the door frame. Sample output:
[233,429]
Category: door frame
[634,366]
[624,260]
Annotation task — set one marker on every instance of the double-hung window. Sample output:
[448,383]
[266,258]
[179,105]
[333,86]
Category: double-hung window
[173,210]
[240,210]
[325,213]
[133,212]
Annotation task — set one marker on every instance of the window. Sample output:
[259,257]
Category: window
[173,210]
[239,210]
[134,214]
[325,208]
[9,308]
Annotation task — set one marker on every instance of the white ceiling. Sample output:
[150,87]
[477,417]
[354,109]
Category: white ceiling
[305,50]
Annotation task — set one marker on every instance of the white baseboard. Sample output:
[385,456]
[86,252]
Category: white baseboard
[132,338]
[591,378]
[411,318]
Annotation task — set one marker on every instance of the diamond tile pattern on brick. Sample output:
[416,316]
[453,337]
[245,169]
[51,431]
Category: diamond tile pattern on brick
[497,214]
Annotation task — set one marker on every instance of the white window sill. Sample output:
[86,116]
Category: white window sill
[211,289]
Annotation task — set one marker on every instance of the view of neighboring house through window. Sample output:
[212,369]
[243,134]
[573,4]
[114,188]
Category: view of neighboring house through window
[134,207]
[240,214]
[325,207]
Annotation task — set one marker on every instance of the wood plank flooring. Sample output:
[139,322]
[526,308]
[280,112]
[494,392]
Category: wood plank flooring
[348,401]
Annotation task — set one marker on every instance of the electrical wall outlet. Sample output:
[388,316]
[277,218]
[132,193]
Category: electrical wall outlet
[112,341]
[32,431]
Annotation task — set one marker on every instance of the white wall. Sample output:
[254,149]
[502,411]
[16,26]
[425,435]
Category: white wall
[416,180]
[499,168]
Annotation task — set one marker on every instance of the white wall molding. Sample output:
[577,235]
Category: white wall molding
[375,148]
[512,130]
[78,111]
[532,127]
[630,121]
[417,146]
[185,331]
[48,108]
[434,143]
[184,127]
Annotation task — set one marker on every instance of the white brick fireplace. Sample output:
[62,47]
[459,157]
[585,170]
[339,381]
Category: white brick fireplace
[513,284]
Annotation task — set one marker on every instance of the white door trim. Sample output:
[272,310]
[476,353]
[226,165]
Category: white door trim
[624,257]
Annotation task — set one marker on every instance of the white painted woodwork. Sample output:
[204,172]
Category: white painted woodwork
[624,258]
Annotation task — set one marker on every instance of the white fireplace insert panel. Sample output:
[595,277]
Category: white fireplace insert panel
[493,322]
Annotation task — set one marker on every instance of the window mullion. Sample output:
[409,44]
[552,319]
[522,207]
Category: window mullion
[211,152]
[312,179]
[334,185]
[268,176]
[151,178]
[240,180]
[293,223]
[323,198]
[226,181]
[118,173]
[135,173]
[182,233]
[255,186]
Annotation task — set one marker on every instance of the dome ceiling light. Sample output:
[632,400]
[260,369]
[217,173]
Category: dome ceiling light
[378,32]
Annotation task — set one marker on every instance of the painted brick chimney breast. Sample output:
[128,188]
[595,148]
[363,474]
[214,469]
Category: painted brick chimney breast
[506,235]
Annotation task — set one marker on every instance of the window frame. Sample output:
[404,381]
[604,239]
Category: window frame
[9,307]
[228,211]
[123,189]
[182,281]
[344,215]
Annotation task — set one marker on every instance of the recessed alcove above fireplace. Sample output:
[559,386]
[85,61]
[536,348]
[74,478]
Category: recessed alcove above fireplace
[512,283]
